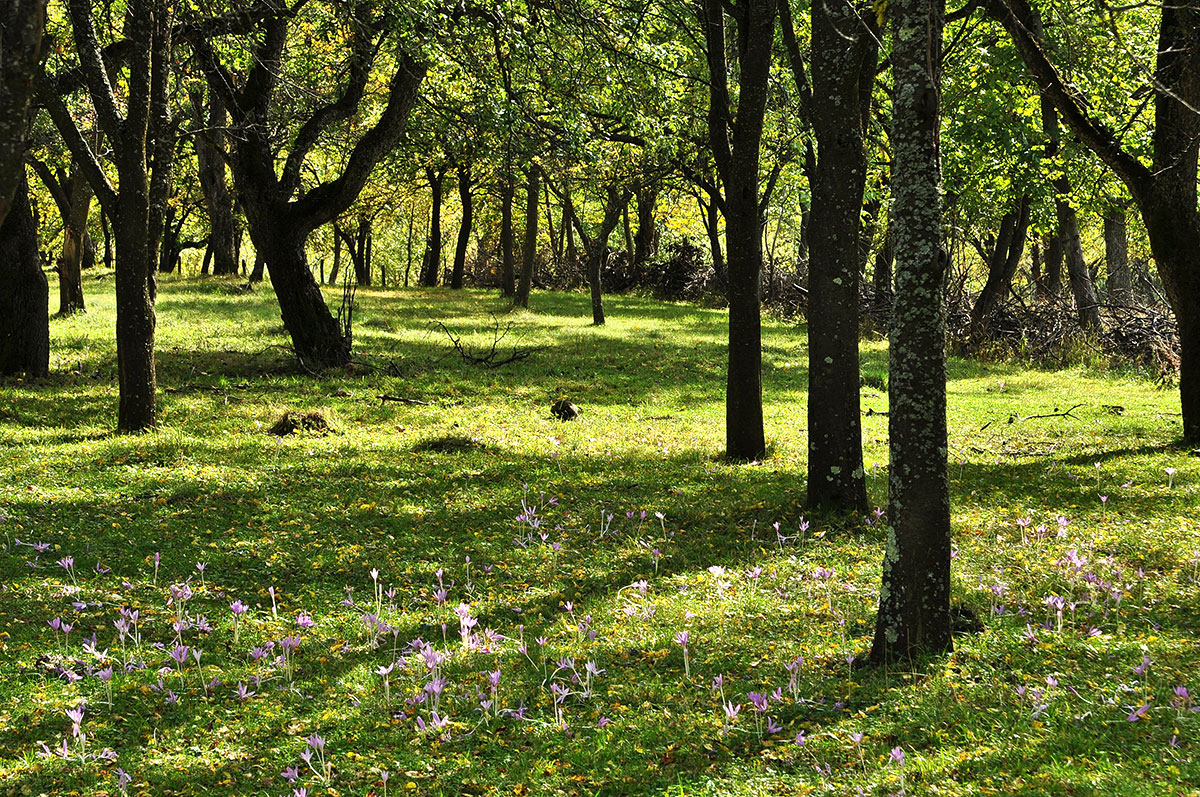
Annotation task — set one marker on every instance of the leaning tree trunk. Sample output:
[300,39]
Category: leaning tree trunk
[843,50]
[317,337]
[529,251]
[1116,256]
[465,200]
[24,293]
[914,599]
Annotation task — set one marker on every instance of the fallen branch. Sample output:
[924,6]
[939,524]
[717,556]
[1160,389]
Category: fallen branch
[492,357]
[402,400]
[1067,414]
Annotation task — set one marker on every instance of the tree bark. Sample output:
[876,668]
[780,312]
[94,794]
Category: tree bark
[736,152]
[914,599]
[645,242]
[844,53]
[22,24]
[508,260]
[317,337]
[24,293]
[433,246]
[1116,256]
[467,204]
[529,251]
[214,184]
[73,198]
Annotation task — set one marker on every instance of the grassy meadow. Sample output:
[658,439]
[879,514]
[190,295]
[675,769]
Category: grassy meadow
[459,594]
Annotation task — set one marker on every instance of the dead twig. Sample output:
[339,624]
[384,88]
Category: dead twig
[1066,414]
[492,357]
[402,400]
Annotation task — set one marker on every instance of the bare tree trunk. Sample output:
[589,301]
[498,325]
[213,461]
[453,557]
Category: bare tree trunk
[645,242]
[214,185]
[508,285]
[1068,229]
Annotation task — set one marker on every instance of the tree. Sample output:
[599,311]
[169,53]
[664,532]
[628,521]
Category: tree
[432,263]
[21,26]
[466,202]
[280,216]
[24,293]
[837,107]
[735,134]
[142,148]
[211,144]
[72,196]
[914,599]
[1165,191]
[529,250]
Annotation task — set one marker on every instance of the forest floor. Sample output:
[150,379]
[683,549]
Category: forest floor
[473,597]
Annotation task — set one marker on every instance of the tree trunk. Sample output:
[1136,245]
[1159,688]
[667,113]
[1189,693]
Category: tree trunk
[1116,256]
[529,252]
[551,232]
[22,23]
[135,309]
[337,256]
[214,185]
[1052,282]
[628,227]
[598,246]
[465,200]
[316,335]
[914,599]
[70,267]
[508,265]
[258,270]
[358,253]
[710,214]
[1068,228]
[645,242]
[843,50]
[1003,261]
[571,251]
[881,278]
[24,292]
[433,247]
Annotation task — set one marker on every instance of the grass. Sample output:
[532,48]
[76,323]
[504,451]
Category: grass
[447,501]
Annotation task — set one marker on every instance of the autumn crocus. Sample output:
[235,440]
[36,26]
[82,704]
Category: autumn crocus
[1170,478]
[238,608]
[323,769]
[682,640]
[385,673]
